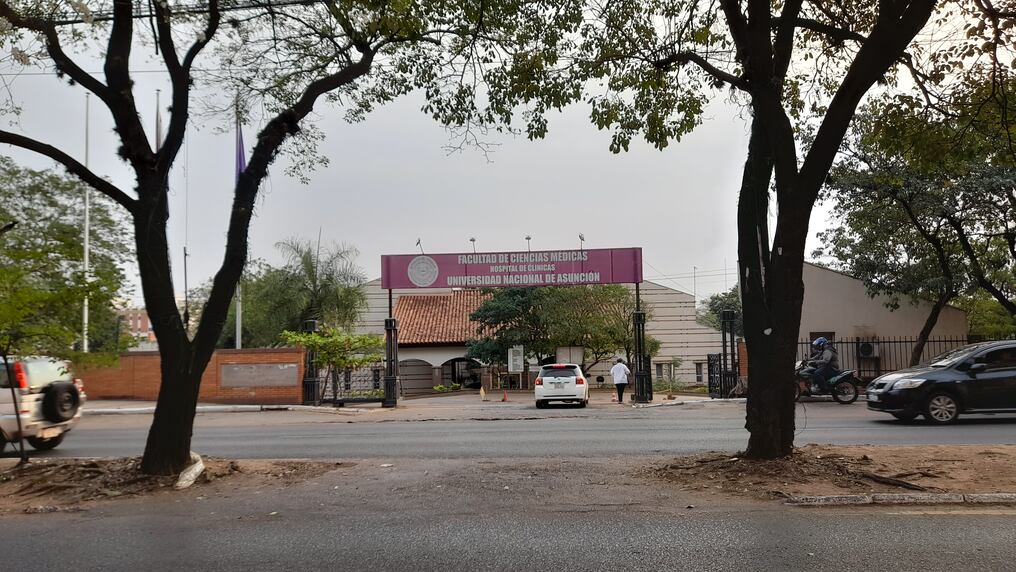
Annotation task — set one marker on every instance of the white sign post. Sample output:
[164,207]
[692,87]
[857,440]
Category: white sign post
[516,359]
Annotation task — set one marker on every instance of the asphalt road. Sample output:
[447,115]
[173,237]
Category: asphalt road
[504,488]
[595,432]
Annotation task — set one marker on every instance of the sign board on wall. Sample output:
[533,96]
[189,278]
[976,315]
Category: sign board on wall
[512,269]
[259,374]
[516,359]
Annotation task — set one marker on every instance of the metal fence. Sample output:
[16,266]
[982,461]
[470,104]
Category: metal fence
[363,384]
[872,357]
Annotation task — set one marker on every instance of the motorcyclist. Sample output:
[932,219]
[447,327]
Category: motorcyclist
[826,362]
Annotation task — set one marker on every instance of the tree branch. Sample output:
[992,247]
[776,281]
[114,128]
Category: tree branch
[682,58]
[180,78]
[53,47]
[975,265]
[271,138]
[72,165]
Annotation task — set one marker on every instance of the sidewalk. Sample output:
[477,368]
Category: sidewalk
[466,404]
[131,407]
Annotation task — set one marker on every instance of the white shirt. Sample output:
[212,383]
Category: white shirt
[620,373]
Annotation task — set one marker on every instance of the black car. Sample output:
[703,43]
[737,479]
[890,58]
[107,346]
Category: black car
[979,378]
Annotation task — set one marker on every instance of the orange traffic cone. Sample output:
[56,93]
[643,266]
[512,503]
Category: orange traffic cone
[505,398]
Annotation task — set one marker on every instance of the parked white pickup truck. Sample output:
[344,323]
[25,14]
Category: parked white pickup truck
[48,397]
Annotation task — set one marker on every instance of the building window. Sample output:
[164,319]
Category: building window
[698,372]
[659,371]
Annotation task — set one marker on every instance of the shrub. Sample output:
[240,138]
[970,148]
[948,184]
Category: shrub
[456,386]
[440,388]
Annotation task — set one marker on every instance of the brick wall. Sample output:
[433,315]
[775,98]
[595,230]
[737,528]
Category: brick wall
[138,377]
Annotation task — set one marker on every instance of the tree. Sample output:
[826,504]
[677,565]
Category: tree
[986,317]
[510,317]
[596,318]
[358,54]
[339,350]
[800,69]
[41,262]
[313,284]
[710,310]
[41,282]
[925,204]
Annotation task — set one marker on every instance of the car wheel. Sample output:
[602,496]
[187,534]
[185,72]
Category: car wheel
[45,444]
[583,403]
[541,404]
[61,402]
[905,417]
[941,408]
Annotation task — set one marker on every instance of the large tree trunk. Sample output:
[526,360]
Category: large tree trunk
[929,325]
[769,328]
[168,448]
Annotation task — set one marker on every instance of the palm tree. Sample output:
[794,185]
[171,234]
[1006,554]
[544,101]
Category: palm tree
[313,284]
[326,286]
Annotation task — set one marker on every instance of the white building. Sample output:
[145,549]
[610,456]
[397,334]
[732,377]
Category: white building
[434,327]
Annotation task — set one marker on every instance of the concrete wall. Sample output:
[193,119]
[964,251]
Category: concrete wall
[138,377]
[835,302]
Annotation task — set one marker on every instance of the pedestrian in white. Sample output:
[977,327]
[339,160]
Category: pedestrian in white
[620,373]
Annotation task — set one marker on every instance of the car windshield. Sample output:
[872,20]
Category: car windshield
[559,372]
[952,356]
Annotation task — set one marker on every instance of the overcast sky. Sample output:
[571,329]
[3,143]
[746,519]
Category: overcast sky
[390,181]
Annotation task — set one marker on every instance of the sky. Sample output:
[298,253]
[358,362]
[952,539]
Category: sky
[390,181]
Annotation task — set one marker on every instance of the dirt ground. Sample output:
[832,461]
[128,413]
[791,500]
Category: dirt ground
[68,485]
[846,469]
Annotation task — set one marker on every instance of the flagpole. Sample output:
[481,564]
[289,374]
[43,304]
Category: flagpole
[87,245]
[241,166]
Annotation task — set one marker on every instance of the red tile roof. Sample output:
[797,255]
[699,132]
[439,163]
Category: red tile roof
[437,318]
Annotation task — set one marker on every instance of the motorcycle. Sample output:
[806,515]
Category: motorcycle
[843,387]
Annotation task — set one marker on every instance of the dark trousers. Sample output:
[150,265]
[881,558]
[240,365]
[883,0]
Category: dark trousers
[822,375]
[620,391]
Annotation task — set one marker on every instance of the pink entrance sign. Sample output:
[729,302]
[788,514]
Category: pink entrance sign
[512,269]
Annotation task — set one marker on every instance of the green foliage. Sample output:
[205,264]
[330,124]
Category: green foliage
[41,259]
[597,318]
[337,349]
[710,308]
[441,388]
[455,386]
[924,205]
[986,317]
[323,285]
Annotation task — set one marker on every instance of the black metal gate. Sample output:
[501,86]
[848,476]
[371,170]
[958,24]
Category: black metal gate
[724,367]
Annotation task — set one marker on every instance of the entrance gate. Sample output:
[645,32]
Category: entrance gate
[515,269]
[724,367]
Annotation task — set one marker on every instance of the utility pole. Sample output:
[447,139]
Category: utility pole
[88,269]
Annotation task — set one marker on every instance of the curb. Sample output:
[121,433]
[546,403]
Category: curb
[230,409]
[903,499]
[691,402]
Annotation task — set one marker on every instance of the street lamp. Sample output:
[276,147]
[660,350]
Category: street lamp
[582,241]
[472,239]
[528,238]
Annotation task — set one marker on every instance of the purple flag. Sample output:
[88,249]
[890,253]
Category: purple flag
[241,161]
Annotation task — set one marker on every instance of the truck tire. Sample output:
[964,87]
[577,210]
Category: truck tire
[61,402]
[45,444]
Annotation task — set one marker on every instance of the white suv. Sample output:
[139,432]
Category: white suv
[561,382]
[48,397]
